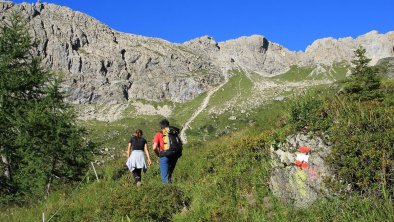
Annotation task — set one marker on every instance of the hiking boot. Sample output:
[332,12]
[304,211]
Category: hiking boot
[138,183]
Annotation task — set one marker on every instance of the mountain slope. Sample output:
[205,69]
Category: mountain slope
[225,179]
[104,66]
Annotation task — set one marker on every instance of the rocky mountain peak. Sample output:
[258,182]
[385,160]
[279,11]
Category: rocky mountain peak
[371,33]
[105,66]
[254,43]
[330,50]
[204,45]
[102,65]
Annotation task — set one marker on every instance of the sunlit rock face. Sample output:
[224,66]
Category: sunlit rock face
[101,65]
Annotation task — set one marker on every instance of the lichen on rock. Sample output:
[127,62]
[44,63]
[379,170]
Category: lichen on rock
[294,184]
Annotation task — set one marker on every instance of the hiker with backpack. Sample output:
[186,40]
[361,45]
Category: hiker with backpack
[136,159]
[168,146]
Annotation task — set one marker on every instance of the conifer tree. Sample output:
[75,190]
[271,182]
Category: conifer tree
[39,137]
[364,82]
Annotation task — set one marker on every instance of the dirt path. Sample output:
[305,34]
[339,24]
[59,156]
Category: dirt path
[203,105]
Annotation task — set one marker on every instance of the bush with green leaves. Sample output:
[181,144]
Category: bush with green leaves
[388,89]
[363,151]
[307,112]
[360,125]
[162,203]
[40,143]
[362,134]
[117,200]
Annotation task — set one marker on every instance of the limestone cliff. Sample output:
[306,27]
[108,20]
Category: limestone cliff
[102,65]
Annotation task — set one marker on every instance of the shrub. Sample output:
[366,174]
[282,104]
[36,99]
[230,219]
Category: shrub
[307,112]
[362,134]
[363,138]
[388,90]
[152,202]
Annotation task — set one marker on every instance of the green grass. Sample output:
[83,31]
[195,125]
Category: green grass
[340,70]
[295,74]
[238,87]
[116,134]
[335,72]
[360,132]
[183,111]
[206,125]
[222,179]
[113,137]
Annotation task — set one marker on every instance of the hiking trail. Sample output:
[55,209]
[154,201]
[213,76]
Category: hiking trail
[203,105]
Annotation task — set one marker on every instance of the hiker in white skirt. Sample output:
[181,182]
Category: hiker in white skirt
[136,161]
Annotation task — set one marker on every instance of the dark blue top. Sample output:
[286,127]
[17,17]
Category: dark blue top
[137,143]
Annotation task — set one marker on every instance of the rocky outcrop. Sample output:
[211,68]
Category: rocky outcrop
[256,54]
[386,67]
[247,52]
[300,185]
[251,53]
[102,65]
[329,50]
[205,45]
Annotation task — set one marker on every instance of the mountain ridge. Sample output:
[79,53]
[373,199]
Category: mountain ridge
[105,66]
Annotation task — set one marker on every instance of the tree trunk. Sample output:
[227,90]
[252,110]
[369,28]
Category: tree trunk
[6,166]
[49,181]
[48,186]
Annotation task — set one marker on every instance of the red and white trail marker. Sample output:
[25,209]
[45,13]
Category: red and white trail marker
[303,157]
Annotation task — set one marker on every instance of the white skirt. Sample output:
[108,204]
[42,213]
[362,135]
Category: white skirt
[136,161]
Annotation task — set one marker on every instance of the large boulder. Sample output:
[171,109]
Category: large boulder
[296,183]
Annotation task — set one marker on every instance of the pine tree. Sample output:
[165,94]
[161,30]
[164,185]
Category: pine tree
[20,84]
[364,82]
[39,137]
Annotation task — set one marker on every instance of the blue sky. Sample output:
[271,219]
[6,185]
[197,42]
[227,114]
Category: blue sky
[294,24]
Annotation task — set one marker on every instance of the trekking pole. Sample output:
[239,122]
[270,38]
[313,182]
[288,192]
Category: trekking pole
[94,169]
[43,217]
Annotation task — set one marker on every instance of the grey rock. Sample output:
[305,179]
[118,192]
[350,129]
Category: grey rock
[279,98]
[292,184]
[232,118]
[330,50]
[102,65]
[285,157]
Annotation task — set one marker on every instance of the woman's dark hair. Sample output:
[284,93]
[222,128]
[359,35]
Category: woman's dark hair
[164,123]
[138,134]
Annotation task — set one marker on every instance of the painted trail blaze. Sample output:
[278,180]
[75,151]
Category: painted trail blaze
[302,157]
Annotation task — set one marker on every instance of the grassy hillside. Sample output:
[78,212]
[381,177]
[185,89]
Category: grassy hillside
[322,72]
[225,170]
[219,180]
[335,72]
[214,185]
